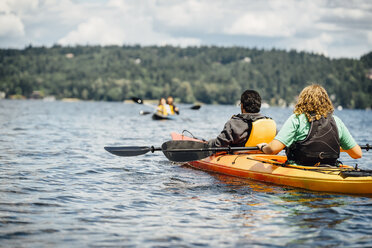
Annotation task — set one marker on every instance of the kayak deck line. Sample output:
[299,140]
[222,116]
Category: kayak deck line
[320,169]
[324,170]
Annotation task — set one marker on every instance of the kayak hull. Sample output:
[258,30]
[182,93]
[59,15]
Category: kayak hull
[157,116]
[269,168]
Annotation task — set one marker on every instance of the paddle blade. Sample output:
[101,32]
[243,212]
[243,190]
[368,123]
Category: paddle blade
[145,112]
[128,151]
[196,107]
[137,100]
[185,150]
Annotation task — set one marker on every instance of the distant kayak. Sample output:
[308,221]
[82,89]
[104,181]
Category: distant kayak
[273,169]
[157,116]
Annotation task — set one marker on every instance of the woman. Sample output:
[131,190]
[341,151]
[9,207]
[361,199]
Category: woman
[163,107]
[312,134]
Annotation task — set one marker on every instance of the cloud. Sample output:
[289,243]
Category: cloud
[182,41]
[319,44]
[189,15]
[258,24]
[19,6]
[95,31]
[11,26]
[369,37]
[119,23]
[328,27]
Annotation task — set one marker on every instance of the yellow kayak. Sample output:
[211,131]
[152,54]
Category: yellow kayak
[272,169]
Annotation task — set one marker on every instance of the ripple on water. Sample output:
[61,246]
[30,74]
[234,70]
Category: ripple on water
[59,187]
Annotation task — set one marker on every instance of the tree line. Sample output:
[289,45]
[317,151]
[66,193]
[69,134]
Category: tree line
[207,74]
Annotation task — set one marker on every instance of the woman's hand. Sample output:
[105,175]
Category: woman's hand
[274,147]
[261,146]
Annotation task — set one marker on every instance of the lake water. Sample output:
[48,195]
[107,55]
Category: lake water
[60,188]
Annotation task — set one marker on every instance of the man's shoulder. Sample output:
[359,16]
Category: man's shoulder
[249,116]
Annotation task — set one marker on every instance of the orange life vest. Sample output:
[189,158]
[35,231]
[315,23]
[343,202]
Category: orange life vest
[263,131]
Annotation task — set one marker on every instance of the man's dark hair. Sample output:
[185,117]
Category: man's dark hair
[251,101]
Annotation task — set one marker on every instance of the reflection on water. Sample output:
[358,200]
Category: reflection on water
[58,187]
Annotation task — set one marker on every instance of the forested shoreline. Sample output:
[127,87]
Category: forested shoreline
[205,74]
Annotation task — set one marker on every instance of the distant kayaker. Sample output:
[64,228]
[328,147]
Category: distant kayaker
[238,131]
[313,135]
[173,108]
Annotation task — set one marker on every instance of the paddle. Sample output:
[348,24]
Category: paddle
[140,101]
[366,147]
[195,107]
[145,112]
[182,150]
[177,150]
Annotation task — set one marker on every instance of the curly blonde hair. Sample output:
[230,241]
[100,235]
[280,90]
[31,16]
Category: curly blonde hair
[314,102]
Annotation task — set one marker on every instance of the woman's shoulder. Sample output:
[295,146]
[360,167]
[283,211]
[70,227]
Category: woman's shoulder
[301,118]
[336,118]
[339,122]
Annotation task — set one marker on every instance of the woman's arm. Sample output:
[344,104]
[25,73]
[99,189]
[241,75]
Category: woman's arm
[355,152]
[347,142]
[274,147]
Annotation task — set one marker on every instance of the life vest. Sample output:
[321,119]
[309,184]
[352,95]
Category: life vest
[262,130]
[164,109]
[321,146]
[171,107]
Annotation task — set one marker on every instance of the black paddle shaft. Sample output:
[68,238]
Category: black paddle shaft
[366,147]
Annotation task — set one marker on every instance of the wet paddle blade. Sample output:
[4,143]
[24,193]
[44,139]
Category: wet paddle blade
[185,150]
[196,107]
[128,151]
[145,112]
[137,100]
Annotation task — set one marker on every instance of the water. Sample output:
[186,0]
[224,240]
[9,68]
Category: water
[60,188]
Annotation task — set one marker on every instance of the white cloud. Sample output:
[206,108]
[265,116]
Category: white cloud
[21,6]
[319,44]
[312,25]
[95,31]
[261,24]
[281,19]
[191,16]
[369,37]
[120,23]
[11,25]
[348,13]
[182,42]
[118,4]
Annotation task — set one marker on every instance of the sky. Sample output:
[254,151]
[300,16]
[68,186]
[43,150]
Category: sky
[333,28]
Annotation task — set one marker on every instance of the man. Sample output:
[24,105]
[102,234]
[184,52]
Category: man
[173,108]
[238,130]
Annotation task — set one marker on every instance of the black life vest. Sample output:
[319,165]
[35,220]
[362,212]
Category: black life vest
[321,146]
